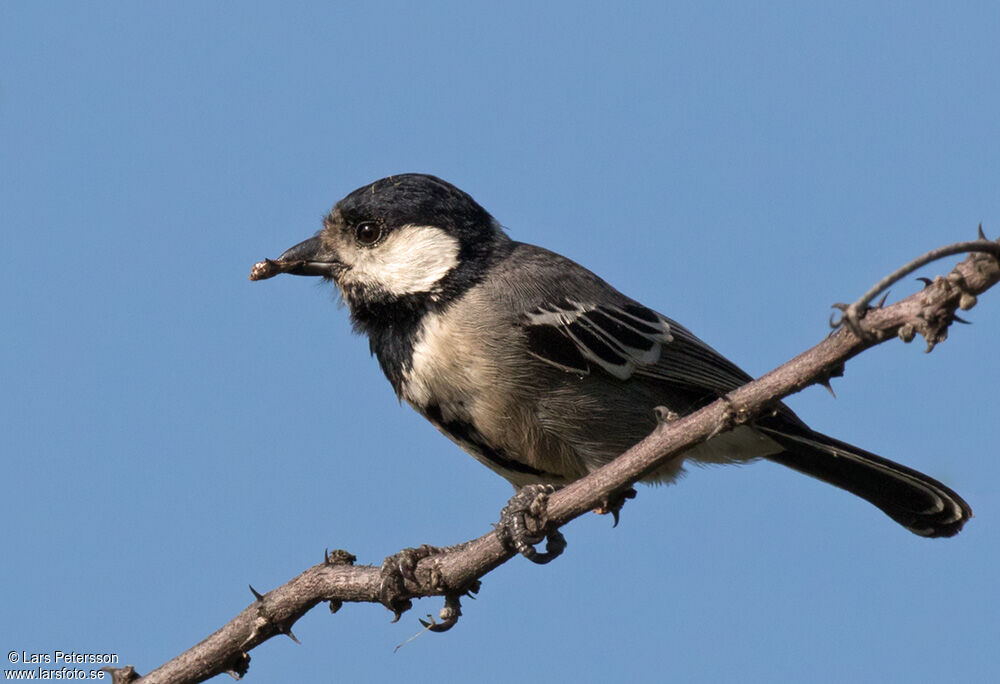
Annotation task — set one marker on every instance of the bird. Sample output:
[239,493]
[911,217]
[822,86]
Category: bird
[540,369]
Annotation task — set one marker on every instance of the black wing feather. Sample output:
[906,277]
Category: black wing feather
[575,336]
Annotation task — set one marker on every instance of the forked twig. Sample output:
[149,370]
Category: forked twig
[851,314]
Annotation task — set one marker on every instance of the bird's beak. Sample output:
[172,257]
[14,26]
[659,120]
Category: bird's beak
[308,258]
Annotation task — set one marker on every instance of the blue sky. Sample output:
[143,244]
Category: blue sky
[173,431]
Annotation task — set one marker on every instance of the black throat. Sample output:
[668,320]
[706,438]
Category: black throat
[392,328]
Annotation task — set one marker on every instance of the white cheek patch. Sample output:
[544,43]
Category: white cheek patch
[412,259]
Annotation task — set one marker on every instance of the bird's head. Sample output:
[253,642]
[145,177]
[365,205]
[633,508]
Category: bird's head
[399,239]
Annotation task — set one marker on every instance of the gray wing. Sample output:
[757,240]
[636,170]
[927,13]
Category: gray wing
[576,322]
[626,340]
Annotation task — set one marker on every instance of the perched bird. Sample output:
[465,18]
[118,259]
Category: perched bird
[542,371]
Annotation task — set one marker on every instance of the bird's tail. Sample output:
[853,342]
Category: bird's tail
[919,503]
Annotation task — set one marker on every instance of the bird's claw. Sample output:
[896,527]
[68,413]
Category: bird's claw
[524,523]
[396,570]
[449,615]
[613,503]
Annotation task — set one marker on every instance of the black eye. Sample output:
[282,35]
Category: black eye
[368,233]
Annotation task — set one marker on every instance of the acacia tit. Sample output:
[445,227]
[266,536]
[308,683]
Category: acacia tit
[542,371]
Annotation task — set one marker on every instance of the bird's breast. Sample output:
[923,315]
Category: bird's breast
[460,382]
[444,366]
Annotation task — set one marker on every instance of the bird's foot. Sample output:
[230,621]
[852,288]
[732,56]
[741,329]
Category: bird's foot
[613,503]
[396,570]
[449,615]
[524,523]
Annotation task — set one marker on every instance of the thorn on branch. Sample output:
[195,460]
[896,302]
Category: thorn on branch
[263,621]
[834,372]
[933,321]
[829,388]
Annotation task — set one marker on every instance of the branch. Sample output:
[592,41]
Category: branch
[455,571]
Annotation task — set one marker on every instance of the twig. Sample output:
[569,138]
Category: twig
[852,313]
